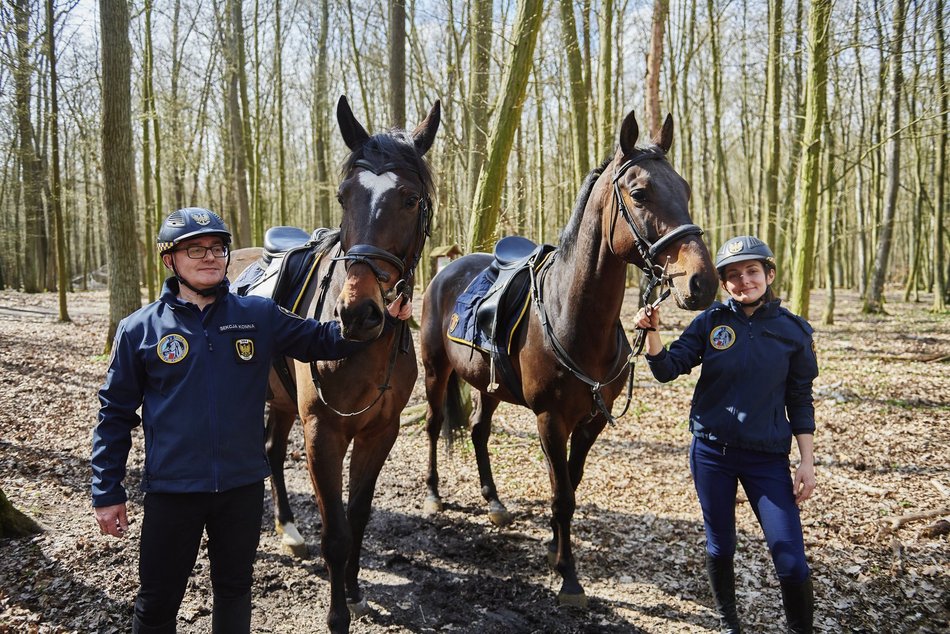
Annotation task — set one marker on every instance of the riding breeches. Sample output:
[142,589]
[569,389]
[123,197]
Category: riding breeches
[171,536]
[717,470]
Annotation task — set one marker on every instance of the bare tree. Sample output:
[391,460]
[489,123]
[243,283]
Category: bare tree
[118,166]
[661,9]
[56,189]
[940,289]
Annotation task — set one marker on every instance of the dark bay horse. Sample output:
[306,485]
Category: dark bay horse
[385,194]
[571,359]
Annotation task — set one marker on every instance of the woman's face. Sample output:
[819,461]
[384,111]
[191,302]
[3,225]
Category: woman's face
[747,281]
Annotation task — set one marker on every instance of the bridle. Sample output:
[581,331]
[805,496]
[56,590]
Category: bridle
[367,254]
[656,276]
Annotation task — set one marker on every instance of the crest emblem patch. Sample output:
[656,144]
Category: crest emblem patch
[453,322]
[735,247]
[172,348]
[202,219]
[244,349]
[722,337]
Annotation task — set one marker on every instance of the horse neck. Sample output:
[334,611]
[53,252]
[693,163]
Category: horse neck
[589,281]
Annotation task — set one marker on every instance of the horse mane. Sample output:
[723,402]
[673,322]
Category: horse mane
[397,147]
[569,234]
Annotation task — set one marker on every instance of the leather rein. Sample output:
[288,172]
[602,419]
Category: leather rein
[655,275]
[366,254]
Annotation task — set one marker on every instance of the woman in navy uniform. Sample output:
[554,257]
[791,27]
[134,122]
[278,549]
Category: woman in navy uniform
[754,393]
[197,362]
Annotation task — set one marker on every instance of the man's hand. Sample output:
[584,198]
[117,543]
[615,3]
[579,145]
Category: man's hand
[401,307]
[113,520]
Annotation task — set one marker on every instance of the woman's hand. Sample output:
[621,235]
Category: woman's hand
[648,318]
[805,482]
[401,307]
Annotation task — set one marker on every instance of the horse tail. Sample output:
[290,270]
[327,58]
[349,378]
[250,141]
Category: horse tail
[455,419]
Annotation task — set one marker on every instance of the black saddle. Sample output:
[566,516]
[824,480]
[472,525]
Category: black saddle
[279,240]
[502,308]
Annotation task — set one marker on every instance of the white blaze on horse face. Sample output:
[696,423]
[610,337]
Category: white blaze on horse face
[377,184]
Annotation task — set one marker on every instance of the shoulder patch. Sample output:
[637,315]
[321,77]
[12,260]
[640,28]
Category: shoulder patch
[172,348]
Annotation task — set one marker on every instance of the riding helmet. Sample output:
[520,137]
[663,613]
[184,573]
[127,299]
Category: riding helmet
[189,223]
[744,248]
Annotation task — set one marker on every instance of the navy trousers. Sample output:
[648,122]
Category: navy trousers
[171,535]
[767,482]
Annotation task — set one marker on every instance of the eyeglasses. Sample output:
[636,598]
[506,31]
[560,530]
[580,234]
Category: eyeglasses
[196,252]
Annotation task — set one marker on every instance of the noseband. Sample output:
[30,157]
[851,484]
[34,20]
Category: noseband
[648,250]
[367,253]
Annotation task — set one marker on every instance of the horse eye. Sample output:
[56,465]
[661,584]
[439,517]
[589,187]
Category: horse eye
[412,201]
[639,195]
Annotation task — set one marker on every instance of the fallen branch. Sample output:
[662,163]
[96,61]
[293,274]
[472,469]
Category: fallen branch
[895,522]
[853,483]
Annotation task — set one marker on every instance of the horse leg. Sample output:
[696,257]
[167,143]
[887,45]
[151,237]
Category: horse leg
[554,443]
[582,439]
[325,452]
[481,430]
[366,461]
[279,424]
[436,380]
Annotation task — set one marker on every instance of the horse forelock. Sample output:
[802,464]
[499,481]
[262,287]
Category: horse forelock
[395,148]
[568,236]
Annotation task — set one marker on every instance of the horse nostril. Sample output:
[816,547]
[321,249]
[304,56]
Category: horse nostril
[698,286]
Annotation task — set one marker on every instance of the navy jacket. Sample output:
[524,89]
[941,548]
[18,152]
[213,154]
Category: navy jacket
[200,379]
[755,386]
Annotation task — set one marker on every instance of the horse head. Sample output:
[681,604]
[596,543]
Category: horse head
[385,194]
[651,226]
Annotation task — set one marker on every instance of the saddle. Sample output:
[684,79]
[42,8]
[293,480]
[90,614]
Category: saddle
[287,264]
[493,306]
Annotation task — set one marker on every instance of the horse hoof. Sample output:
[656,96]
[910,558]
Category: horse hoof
[358,608]
[432,506]
[500,518]
[572,600]
[291,541]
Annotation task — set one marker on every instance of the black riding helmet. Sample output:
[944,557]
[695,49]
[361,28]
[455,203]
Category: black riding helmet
[191,222]
[743,248]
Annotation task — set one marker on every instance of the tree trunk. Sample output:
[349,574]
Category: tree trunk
[239,146]
[397,62]
[484,217]
[478,118]
[34,269]
[579,131]
[14,523]
[874,303]
[828,220]
[281,158]
[320,119]
[940,289]
[607,119]
[809,177]
[56,190]
[118,166]
[773,82]
[661,9]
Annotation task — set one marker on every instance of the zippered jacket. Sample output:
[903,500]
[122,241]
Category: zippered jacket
[200,379]
[755,385]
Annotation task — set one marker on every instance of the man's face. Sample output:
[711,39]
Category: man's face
[205,272]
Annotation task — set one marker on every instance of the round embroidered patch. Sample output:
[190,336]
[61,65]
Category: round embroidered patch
[172,348]
[722,337]
[244,349]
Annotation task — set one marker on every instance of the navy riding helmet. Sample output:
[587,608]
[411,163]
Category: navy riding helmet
[188,223]
[743,248]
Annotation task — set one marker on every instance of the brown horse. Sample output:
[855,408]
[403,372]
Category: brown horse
[571,356]
[385,195]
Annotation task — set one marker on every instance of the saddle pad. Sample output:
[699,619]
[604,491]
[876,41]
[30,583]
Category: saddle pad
[463,327]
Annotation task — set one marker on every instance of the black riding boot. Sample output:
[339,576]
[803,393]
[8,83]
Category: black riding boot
[140,628]
[799,600]
[722,581]
[232,615]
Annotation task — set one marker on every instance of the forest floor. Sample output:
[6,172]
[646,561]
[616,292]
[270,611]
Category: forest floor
[875,530]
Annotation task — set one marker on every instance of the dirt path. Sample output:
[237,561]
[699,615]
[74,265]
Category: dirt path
[883,448]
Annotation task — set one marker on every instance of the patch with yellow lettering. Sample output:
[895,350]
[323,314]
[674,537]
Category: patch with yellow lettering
[172,348]
[244,348]
[722,337]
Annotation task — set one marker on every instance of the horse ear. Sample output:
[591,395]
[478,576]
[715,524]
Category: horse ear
[629,131]
[665,138]
[424,134]
[354,134]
